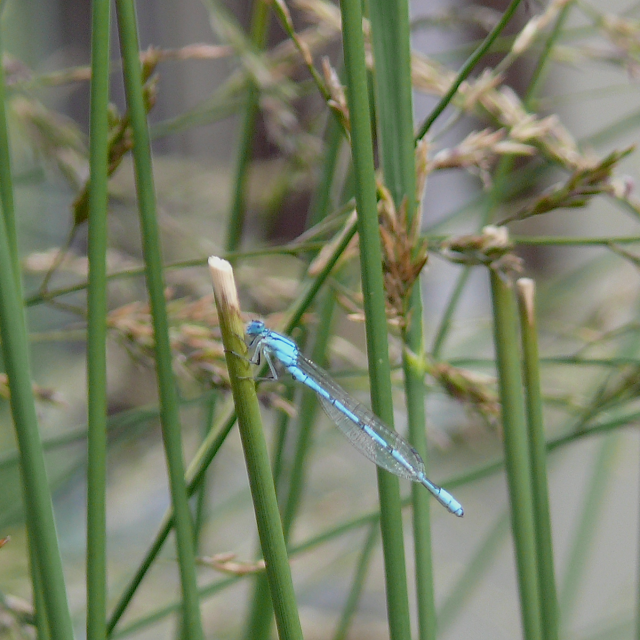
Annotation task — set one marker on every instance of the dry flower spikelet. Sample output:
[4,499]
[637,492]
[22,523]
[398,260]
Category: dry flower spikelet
[227,563]
[473,390]
[492,248]
[194,335]
[338,99]
[478,151]
[485,95]
[43,394]
[582,185]
[404,254]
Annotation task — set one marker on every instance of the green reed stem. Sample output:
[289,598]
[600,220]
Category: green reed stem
[46,561]
[260,615]
[209,411]
[516,453]
[260,618]
[256,455]
[170,417]
[392,56]
[374,308]
[391,41]
[9,221]
[97,326]
[6,176]
[46,605]
[535,429]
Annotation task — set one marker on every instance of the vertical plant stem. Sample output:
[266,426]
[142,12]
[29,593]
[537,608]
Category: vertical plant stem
[391,41]
[51,611]
[259,624]
[537,448]
[374,307]
[259,28]
[413,339]
[6,178]
[255,450]
[516,453]
[9,221]
[97,326]
[260,616]
[40,606]
[169,414]
[37,496]
[358,583]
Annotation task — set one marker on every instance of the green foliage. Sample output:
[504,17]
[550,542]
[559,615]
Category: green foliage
[342,136]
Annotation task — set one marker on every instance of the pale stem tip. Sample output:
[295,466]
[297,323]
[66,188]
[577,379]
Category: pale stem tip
[526,289]
[224,286]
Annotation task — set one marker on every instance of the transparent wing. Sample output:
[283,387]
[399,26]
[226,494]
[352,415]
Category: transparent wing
[367,432]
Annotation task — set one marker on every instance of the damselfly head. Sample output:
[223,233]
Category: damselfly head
[255,328]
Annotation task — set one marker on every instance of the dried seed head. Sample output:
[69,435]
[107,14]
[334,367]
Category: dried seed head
[422,168]
[474,390]
[404,254]
[582,185]
[478,151]
[492,249]
[227,563]
[338,101]
[194,333]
